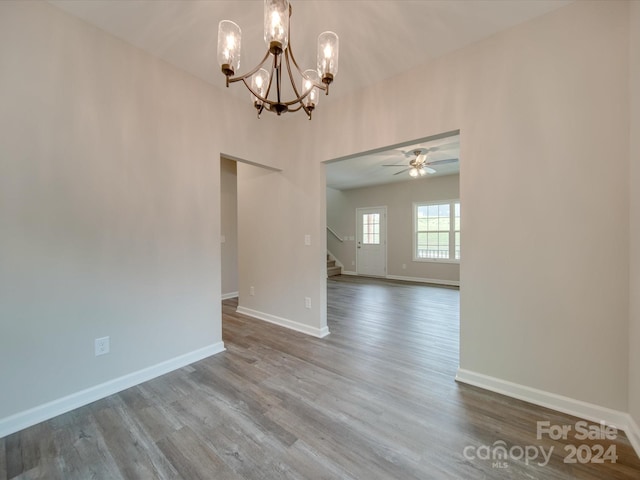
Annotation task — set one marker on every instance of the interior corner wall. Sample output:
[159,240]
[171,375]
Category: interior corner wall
[399,199]
[229,227]
[109,200]
[278,270]
[634,181]
[539,295]
[339,221]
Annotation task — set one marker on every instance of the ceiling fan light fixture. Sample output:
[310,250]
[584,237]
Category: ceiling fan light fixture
[413,172]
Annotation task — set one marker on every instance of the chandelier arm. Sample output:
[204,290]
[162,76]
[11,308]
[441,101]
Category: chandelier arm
[289,53]
[321,86]
[300,107]
[299,97]
[266,93]
[278,70]
[249,74]
[246,84]
[266,102]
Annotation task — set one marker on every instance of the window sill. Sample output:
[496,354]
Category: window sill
[435,260]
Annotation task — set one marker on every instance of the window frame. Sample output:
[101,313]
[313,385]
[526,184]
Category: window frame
[371,235]
[452,231]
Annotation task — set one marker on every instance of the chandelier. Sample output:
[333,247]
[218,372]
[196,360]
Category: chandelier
[266,85]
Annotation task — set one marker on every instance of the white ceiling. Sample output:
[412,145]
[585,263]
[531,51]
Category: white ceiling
[378,39]
[367,169]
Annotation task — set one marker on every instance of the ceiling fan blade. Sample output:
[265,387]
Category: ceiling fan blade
[443,161]
[439,147]
[397,165]
[402,171]
[429,170]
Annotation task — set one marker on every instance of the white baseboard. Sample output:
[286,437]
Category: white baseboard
[283,322]
[633,434]
[226,296]
[435,281]
[27,418]
[560,403]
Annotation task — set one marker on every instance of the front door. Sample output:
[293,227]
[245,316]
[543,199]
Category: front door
[371,244]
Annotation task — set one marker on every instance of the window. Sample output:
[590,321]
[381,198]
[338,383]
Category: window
[437,231]
[371,229]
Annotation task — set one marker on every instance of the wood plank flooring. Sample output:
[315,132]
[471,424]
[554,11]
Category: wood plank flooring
[375,399]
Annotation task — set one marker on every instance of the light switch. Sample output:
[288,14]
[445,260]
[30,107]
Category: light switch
[222,239]
[307,239]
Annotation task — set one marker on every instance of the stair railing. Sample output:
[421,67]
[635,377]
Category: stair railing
[334,233]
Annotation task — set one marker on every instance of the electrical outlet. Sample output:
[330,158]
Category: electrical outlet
[252,291]
[307,302]
[102,346]
[307,240]
[404,266]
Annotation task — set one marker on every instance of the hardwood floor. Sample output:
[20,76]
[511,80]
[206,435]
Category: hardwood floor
[375,399]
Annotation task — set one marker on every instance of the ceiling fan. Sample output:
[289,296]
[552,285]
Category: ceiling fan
[419,166]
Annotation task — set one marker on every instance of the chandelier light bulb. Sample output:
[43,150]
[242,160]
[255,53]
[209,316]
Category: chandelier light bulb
[229,39]
[276,25]
[309,80]
[413,172]
[328,44]
[259,84]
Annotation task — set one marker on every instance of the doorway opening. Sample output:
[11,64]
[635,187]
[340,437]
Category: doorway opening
[395,213]
[404,240]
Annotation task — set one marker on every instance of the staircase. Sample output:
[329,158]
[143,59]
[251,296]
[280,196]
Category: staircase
[332,268]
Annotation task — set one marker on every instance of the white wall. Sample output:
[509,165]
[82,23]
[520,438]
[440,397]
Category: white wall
[109,206]
[229,227]
[275,212]
[542,110]
[399,199]
[634,181]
